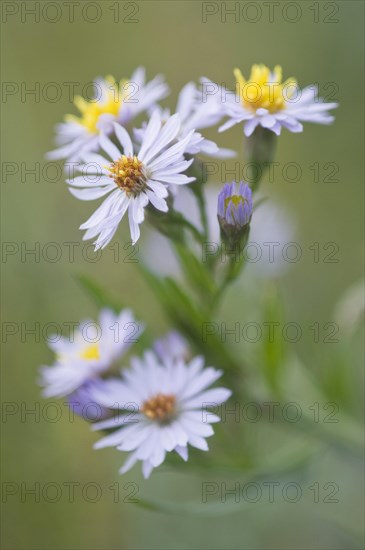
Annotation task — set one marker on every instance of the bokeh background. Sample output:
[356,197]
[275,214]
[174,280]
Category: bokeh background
[171,38]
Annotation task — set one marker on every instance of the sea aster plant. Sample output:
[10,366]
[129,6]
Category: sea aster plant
[114,101]
[90,352]
[133,178]
[171,402]
[265,100]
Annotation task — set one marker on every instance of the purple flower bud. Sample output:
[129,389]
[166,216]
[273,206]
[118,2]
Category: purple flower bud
[234,210]
[172,347]
[82,403]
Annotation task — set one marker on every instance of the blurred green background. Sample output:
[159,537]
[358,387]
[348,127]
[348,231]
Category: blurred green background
[171,38]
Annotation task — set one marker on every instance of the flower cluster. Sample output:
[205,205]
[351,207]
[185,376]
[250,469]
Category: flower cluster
[158,405]
[144,164]
[135,155]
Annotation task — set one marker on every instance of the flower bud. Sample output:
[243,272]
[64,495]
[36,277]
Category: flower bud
[235,212]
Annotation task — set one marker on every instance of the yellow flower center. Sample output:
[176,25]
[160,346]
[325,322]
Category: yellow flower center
[91,110]
[129,174]
[160,408]
[91,352]
[264,89]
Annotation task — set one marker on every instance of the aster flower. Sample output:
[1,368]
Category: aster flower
[195,115]
[234,210]
[120,102]
[171,402]
[265,100]
[91,352]
[133,179]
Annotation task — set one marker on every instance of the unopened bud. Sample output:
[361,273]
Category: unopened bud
[235,212]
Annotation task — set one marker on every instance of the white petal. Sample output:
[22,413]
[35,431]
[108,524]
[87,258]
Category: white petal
[134,227]
[267,121]
[94,164]
[182,451]
[198,442]
[196,427]
[146,469]
[174,152]
[250,126]
[138,211]
[83,181]
[158,188]
[102,211]
[167,135]
[90,194]
[157,202]
[129,463]
[216,396]
[109,147]
[124,139]
[207,377]
[228,124]
[152,130]
[177,179]
[178,167]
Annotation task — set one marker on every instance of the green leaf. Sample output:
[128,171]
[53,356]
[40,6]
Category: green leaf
[196,509]
[196,272]
[273,347]
[100,296]
[191,320]
[279,464]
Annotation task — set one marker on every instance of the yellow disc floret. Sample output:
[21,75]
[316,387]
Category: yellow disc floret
[110,103]
[264,89]
[129,174]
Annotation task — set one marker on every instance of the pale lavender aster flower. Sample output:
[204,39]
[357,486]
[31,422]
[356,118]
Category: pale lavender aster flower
[91,351]
[133,179]
[264,100]
[113,102]
[171,409]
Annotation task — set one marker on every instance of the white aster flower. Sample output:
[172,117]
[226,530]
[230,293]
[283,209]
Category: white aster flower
[120,102]
[265,100]
[89,352]
[195,114]
[133,179]
[171,403]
